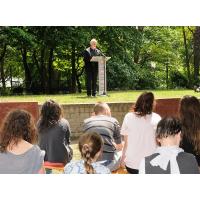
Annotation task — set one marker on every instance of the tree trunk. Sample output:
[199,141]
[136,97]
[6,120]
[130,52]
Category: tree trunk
[78,75]
[11,76]
[187,59]
[35,62]
[73,63]
[2,56]
[196,53]
[137,49]
[3,81]
[43,69]
[78,83]
[50,71]
[43,59]
[26,69]
[167,75]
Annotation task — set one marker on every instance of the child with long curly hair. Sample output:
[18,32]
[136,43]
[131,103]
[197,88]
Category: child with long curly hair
[19,153]
[54,135]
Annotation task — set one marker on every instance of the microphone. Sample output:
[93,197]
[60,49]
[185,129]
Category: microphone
[101,53]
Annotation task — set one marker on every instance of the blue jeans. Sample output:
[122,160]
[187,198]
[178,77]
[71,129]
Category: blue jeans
[48,171]
[115,163]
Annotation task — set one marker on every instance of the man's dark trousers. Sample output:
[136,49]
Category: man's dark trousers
[91,79]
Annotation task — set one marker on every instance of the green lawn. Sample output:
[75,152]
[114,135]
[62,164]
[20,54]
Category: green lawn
[113,96]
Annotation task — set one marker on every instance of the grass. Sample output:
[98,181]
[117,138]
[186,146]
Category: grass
[76,153]
[113,96]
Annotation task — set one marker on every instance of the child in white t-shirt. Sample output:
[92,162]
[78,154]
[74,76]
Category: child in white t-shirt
[138,129]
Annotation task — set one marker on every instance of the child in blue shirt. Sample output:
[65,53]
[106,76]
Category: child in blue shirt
[90,147]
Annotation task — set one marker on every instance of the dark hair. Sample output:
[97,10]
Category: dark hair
[89,145]
[144,104]
[168,126]
[50,115]
[100,107]
[189,111]
[17,125]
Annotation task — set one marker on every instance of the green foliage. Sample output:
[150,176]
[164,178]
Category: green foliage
[49,59]
[178,80]
[120,76]
[147,78]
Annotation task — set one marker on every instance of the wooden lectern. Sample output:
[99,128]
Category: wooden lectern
[102,73]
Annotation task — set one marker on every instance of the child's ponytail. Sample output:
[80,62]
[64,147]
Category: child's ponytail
[89,145]
[86,151]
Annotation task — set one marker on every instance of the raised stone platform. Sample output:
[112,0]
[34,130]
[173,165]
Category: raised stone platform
[76,113]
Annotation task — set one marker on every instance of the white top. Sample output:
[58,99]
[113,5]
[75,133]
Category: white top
[141,137]
[77,167]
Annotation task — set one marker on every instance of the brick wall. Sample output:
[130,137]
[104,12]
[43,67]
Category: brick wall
[76,113]
[31,107]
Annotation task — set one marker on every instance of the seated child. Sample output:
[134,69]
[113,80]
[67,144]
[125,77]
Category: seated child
[90,147]
[54,136]
[19,153]
[109,129]
[169,158]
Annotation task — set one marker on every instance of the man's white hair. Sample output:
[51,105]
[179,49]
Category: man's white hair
[93,41]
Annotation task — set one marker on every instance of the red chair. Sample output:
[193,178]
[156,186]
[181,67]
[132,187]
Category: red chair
[54,166]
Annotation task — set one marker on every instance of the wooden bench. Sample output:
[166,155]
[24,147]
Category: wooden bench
[121,170]
[57,168]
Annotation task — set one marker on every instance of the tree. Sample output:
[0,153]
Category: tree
[187,56]
[196,52]
[2,56]
[49,59]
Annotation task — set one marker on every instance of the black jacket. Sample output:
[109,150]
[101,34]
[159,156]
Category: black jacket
[88,54]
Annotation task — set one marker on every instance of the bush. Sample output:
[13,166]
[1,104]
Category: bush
[5,92]
[123,76]
[18,90]
[120,76]
[146,78]
[178,80]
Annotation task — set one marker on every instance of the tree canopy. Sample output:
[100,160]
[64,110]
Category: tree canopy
[49,59]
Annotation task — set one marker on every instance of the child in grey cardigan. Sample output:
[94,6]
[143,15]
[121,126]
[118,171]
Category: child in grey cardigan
[168,157]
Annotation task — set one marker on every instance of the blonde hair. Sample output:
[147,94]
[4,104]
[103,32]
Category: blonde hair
[89,145]
[93,41]
[101,107]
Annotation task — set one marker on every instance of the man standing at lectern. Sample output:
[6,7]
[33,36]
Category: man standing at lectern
[91,68]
